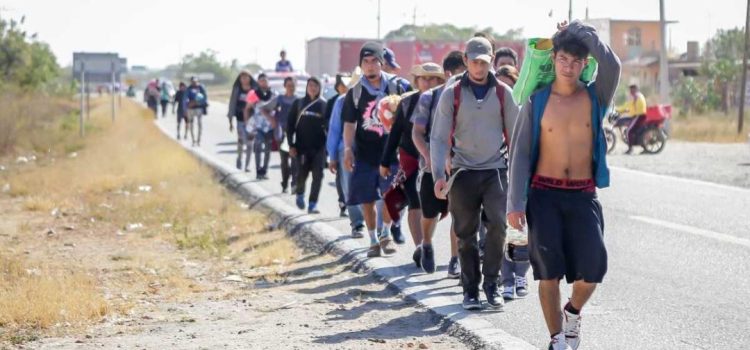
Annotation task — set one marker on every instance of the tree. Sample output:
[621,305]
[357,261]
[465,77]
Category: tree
[24,61]
[448,31]
[722,64]
[205,62]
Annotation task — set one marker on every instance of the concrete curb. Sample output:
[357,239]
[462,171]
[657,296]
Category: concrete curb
[474,331]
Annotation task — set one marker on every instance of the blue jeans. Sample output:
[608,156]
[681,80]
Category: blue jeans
[356,218]
[509,270]
[262,147]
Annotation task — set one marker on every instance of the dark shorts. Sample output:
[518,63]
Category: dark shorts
[566,235]
[412,196]
[366,184]
[432,207]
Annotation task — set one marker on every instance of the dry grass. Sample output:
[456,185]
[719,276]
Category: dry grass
[39,297]
[38,124]
[715,127]
[124,173]
[135,175]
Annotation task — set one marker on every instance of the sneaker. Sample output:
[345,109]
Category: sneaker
[453,270]
[471,302]
[558,343]
[417,256]
[238,163]
[386,244]
[572,329]
[358,232]
[398,237]
[521,288]
[247,170]
[508,293]
[342,210]
[428,258]
[312,208]
[374,251]
[300,201]
[493,297]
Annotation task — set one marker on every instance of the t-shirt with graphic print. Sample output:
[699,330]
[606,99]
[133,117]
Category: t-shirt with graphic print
[369,140]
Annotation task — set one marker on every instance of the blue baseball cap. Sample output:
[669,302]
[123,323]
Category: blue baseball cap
[390,58]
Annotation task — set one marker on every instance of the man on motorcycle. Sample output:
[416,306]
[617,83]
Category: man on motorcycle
[634,107]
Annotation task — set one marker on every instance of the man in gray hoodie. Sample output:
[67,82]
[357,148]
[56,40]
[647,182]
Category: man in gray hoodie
[473,118]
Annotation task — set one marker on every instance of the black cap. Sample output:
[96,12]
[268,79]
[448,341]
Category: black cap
[373,49]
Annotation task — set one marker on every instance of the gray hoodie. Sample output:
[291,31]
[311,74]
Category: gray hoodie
[479,133]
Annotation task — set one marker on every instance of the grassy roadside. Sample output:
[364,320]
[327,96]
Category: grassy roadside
[714,127]
[96,228]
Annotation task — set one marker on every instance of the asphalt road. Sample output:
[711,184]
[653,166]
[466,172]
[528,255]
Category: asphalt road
[679,260]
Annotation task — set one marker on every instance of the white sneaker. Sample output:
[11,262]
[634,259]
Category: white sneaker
[572,329]
[558,343]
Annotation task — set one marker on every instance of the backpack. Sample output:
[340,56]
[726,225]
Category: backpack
[457,103]
[435,99]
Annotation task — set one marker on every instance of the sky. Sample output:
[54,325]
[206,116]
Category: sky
[156,33]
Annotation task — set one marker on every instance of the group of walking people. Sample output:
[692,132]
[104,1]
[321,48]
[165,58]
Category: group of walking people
[451,140]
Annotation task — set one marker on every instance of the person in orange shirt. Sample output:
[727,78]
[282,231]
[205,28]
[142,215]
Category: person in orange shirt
[634,107]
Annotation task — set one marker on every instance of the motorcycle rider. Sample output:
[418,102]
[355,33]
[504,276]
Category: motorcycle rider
[634,107]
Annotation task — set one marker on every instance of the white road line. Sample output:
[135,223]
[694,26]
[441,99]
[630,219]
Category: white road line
[694,230]
[685,180]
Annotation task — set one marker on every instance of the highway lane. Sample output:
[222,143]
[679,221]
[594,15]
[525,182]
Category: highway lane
[679,273]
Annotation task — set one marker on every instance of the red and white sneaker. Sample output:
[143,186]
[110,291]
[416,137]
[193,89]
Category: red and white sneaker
[572,329]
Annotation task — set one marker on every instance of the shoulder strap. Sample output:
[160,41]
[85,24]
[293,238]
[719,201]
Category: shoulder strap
[393,86]
[456,105]
[303,110]
[356,93]
[500,92]
[406,105]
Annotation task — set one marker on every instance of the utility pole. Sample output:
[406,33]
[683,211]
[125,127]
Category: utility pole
[743,90]
[663,68]
[414,17]
[83,98]
[112,66]
[570,11]
[378,20]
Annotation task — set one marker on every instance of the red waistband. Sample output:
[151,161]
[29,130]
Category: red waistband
[547,183]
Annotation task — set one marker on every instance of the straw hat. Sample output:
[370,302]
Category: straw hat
[428,70]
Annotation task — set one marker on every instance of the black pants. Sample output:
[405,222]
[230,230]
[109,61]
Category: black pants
[289,169]
[473,190]
[311,161]
[164,108]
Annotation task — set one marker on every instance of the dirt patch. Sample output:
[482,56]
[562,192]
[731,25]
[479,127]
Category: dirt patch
[130,243]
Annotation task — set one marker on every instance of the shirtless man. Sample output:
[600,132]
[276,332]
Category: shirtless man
[557,161]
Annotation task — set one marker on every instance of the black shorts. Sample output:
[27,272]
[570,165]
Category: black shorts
[566,235]
[412,196]
[432,207]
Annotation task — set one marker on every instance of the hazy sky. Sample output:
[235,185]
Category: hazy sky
[157,32]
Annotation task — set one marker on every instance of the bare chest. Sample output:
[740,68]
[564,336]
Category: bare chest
[568,117]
